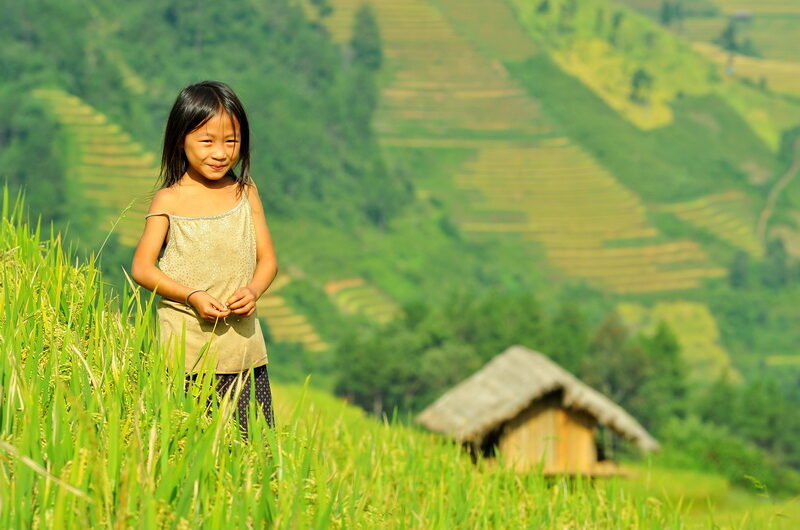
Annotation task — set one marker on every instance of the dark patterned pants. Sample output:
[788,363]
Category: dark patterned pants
[263,397]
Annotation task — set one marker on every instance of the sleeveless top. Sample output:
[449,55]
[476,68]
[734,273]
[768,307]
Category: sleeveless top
[216,253]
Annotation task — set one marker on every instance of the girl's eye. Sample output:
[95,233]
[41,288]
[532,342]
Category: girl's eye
[233,141]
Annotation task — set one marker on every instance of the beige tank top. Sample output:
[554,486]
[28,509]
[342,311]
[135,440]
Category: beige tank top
[216,253]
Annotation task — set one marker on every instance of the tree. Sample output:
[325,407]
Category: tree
[739,271]
[667,12]
[366,42]
[567,340]
[665,390]
[616,22]
[616,366]
[323,7]
[775,269]
[543,7]
[641,84]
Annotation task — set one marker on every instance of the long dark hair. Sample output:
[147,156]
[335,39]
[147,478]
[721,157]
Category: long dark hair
[195,105]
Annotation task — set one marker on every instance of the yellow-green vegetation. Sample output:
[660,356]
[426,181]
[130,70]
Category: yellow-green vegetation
[695,328]
[782,360]
[97,432]
[760,6]
[286,324]
[355,295]
[608,68]
[710,501]
[440,85]
[766,114]
[528,182]
[559,196]
[780,76]
[729,216]
[612,49]
[112,169]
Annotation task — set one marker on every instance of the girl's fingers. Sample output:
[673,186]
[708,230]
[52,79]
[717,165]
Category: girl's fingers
[246,309]
[236,303]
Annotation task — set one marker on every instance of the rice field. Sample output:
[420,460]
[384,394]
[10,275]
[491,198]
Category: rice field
[783,361]
[728,216]
[357,296]
[561,198]
[780,76]
[111,168]
[760,6]
[439,84]
[96,430]
[531,184]
[696,330]
[608,69]
[287,325]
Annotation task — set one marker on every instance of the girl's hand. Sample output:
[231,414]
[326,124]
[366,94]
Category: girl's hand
[242,301]
[207,306]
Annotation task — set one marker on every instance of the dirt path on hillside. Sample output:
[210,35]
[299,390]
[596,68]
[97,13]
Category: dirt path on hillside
[774,193]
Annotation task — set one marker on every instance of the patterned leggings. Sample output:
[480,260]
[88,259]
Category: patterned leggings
[263,397]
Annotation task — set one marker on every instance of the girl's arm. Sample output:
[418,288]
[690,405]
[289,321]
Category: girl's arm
[143,268]
[243,300]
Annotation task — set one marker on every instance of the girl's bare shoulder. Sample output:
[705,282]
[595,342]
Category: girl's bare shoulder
[163,201]
[252,195]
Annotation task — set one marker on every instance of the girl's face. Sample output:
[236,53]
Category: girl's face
[213,148]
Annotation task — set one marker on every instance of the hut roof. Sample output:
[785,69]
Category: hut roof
[507,385]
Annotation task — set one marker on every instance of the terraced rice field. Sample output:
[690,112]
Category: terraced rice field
[560,197]
[441,85]
[112,169]
[286,324]
[729,216]
[356,296]
[448,88]
[587,53]
[760,6]
[783,361]
[695,328]
[780,76]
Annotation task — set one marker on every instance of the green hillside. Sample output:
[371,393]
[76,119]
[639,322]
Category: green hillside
[97,433]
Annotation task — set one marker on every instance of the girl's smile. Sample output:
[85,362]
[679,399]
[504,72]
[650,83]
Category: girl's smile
[213,148]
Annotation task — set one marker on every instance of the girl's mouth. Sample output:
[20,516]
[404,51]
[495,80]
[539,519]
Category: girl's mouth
[217,168]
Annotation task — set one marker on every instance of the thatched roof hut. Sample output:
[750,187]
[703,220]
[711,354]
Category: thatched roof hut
[532,398]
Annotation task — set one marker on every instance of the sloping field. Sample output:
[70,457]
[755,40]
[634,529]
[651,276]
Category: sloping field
[696,330]
[447,88]
[441,86]
[604,45]
[357,296]
[285,323]
[780,76]
[113,170]
[561,198]
[729,216]
[97,433]
[760,6]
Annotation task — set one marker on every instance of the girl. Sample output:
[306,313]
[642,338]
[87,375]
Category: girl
[207,232]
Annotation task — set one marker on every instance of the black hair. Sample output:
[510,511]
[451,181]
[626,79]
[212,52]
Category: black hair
[194,106]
